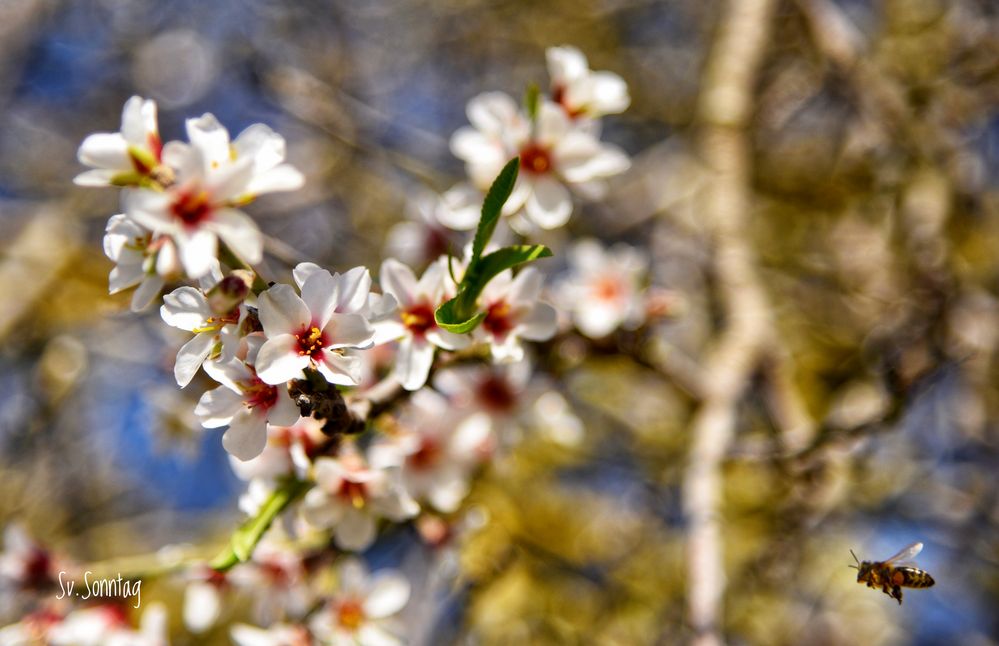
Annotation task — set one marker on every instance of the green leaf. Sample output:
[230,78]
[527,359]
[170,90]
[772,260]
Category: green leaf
[532,99]
[456,314]
[245,539]
[449,320]
[492,207]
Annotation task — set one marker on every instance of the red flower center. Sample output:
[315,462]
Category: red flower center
[559,96]
[257,393]
[495,394]
[419,319]
[311,342]
[192,207]
[427,455]
[498,321]
[535,159]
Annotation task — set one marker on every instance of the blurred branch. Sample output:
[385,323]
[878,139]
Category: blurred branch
[724,109]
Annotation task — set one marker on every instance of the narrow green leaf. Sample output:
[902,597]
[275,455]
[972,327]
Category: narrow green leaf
[245,539]
[479,275]
[492,206]
[532,99]
[449,320]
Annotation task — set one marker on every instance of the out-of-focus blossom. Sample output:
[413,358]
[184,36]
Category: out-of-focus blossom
[603,289]
[513,312]
[125,157]
[215,333]
[580,91]
[425,234]
[437,446]
[140,259]
[350,496]
[413,325]
[553,152]
[203,599]
[276,635]
[245,403]
[108,625]
[361,612]
[214,175]
[32,630]
[24,562]
[315,329]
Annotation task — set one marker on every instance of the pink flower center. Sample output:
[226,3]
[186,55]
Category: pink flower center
[607,288]
[192,207]
[353,492]
[350,614]
[498,321]
[258,394]
[535,159]
[419,319]
[311,342]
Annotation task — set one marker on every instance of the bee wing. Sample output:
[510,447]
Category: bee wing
[906,553]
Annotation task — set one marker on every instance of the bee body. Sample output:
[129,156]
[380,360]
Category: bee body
[891,578]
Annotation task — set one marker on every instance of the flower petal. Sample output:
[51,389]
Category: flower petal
[398,280]
[348,330]
[282,311]
[355,531]
[412,363]
[340,370]
[239,232]
[190,357]
[218,406]
[549,204]
[278,360]
[185,308]
[247,435]
[388,595]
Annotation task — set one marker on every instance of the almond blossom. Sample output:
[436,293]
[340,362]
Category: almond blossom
[554,155]
[350,496]
[276,635]
[214,175]
[603,288]
[125,157]
[314,330]
[361,611]
[413,324]
[187,308]
[438,447]
[514,312]
[580,91]
[140,260]
[245,403]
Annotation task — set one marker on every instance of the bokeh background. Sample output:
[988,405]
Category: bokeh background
[874,232]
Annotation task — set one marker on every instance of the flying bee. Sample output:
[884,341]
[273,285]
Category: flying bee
[894,573]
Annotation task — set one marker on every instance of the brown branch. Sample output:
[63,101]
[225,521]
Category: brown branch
[724,110]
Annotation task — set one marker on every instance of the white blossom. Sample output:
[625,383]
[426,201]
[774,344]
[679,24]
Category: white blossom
[582,92]
[603,288]
[514,312]
[413,324]
[438,446]
[350,496]
[140,260]
[554,154]
[360,612]
[187,308]
[123,157]
[316,328]
[213,176]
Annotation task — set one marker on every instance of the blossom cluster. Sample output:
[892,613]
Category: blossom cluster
[283,364]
